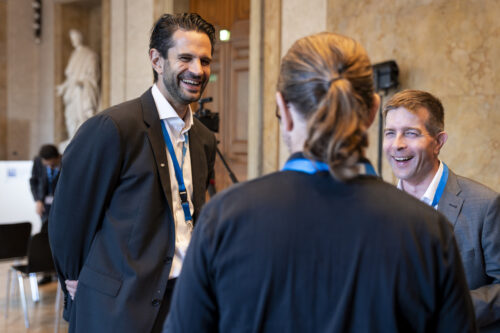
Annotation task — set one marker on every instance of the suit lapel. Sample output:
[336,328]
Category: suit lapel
[155,136]
[197,155]
[451,204]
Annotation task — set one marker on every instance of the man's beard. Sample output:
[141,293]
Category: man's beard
[173,86]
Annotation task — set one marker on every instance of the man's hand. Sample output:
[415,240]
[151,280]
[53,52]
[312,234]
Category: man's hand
[71,287]
[39,207]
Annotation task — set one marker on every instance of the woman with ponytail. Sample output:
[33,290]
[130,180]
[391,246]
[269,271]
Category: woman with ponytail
[326,81]
[322,245]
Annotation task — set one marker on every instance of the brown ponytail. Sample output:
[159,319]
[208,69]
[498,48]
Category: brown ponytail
[328,78]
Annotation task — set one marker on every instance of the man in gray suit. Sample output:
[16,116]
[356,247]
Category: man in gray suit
[133,180]
[413,136]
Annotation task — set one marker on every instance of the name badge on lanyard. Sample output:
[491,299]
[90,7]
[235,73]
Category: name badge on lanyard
[48,200]
[178,174]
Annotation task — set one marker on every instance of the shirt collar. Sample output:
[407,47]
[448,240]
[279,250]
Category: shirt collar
[429,194]
[177,126]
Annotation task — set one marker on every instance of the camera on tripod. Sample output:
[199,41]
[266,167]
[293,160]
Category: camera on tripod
[208,118]
[211,121]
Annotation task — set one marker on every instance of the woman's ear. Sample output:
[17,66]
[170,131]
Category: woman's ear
[284,111]
[374,109]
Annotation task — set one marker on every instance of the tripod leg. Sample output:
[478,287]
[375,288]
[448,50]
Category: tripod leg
[211,188]
[231,174]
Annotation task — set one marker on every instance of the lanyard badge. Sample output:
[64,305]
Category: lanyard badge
[178,174]
[441,186]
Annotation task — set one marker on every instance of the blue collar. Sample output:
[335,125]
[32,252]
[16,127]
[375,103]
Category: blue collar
[305,165]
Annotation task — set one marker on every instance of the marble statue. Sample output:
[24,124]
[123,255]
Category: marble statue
[80,90]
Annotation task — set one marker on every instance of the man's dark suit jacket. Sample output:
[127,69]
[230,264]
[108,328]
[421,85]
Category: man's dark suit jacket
[474,211]
[294,252]
[39,184]
[111,224]
[38,173]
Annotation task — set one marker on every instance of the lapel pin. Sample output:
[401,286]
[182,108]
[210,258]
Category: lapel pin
[162,165]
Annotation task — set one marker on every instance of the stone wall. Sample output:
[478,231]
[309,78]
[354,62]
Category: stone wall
[449,48]
[22,81]
[130,70]
[3,80]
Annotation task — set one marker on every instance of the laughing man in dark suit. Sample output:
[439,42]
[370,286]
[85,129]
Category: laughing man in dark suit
[132,183]
[414,135]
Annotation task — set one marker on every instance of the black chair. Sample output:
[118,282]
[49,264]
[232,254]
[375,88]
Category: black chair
[14,239]
[39,261]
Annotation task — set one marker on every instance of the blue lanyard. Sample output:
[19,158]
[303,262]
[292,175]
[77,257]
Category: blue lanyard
[311,167]
[305,165]
[178,172]
[369,169]
[51,175]
[441,186]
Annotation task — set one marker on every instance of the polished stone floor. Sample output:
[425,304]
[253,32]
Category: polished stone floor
[41,314]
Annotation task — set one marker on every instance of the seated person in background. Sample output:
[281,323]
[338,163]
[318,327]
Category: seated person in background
[320,246]
[413,137]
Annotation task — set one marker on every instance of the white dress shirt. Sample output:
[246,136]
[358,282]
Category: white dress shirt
[430,193]
[177,130]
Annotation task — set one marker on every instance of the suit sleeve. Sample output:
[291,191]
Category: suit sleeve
[456,312]
[486,299]
[211,159]
[90,172]
[36,179]
[194,306]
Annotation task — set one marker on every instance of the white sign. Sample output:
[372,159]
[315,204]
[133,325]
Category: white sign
[16,200]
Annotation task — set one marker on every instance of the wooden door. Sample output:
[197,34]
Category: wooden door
[228,87]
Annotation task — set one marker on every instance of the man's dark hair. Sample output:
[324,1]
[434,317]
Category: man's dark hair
[413,100]
[168,24]
[48,152]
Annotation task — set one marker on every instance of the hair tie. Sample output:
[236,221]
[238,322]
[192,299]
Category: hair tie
[340,77]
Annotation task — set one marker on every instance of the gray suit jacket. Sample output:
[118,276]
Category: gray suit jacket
[111,225]
[474,211]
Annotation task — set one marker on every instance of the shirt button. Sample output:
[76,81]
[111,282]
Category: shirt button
[156,302]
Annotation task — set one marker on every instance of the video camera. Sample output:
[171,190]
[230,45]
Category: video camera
[211,121]
[208,118]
